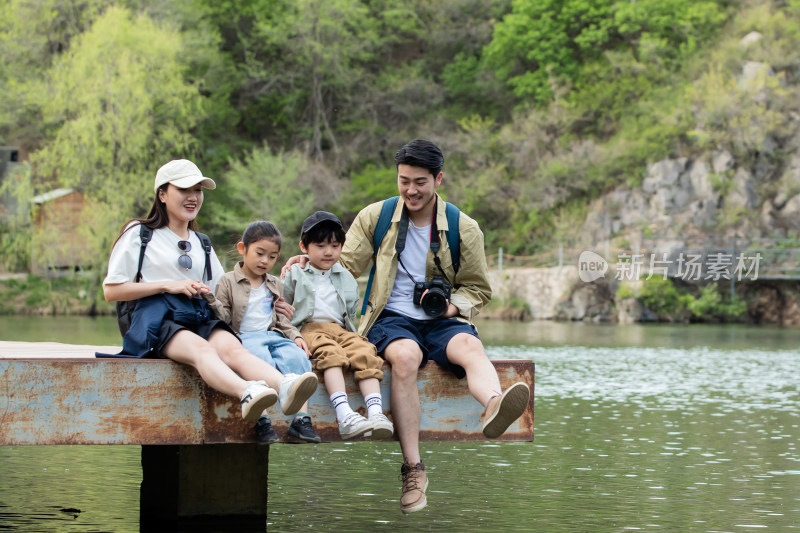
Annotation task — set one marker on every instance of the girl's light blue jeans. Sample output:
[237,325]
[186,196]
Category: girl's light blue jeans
[277,350]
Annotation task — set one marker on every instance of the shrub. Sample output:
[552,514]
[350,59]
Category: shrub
[624,291]
[663,298]
[710,304]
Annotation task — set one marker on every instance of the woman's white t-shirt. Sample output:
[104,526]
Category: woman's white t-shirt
[160,258]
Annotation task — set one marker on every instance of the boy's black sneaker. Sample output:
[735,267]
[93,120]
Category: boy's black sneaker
[264,431]
[301,429]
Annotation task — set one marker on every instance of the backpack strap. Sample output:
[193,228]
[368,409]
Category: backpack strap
[144,234]
[207,247]
[381,228]
[125,309]
[384,222]
[453,237]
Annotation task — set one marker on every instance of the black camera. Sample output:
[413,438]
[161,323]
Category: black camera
[434,303]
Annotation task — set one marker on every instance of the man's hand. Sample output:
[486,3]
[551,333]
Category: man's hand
[302,259]
[284,308]
[451,311]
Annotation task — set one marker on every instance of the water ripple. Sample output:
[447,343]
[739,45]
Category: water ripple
[665,378]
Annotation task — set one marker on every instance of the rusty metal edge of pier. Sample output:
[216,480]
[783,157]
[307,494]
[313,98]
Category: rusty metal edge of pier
[83,400]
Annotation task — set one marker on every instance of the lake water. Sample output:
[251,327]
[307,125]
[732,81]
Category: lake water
[638,428]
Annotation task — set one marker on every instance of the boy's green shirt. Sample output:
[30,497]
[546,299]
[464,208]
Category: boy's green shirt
[298,290]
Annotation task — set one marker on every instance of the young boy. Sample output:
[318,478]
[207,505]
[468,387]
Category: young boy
[325,297]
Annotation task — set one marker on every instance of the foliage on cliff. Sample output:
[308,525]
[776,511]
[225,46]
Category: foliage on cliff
[683,303]
[295,105]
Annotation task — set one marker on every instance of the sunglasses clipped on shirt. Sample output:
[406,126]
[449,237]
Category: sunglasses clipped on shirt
[185,261]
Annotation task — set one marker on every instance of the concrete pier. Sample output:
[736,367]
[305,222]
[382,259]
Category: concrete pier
[194,441]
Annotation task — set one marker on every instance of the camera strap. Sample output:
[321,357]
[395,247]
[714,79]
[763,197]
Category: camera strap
[400,243]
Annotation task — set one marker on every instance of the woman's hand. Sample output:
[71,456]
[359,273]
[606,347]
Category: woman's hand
[187,287]
[121,292]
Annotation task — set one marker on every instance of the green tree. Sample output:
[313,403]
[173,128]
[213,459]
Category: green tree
[303,64]
[544,42]
[711,305]
[541,39]
[369,184]
[450,37]
[267,186]
[32,34]
[665,299]
[118,107]
[16,191]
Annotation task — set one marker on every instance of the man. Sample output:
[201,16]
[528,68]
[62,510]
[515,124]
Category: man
[406,331]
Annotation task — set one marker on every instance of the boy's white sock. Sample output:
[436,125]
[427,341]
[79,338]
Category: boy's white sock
[374,404]
[339,402]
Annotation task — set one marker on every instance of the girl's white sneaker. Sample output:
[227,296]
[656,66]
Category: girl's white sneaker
[257,397]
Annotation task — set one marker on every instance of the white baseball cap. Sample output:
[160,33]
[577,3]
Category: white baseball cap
[182,173]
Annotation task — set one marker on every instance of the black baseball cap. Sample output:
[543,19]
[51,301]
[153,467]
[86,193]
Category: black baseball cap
[317,218]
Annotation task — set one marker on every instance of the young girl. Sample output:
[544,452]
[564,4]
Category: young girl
[245,299]
[171,318]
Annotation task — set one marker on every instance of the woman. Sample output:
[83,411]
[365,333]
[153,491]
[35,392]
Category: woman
[171,317]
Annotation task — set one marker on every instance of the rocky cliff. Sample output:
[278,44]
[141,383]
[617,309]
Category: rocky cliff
[558,293]
[712,197]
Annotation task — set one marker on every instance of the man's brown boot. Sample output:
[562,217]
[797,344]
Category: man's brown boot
[415,482]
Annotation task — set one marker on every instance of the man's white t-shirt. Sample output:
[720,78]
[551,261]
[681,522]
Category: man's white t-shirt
[258,315]
[415,257]
[160,258]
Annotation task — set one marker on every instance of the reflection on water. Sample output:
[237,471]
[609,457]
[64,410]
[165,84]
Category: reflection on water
[69,488]
[626,439]
[698,433]
[100,331]
[547,333]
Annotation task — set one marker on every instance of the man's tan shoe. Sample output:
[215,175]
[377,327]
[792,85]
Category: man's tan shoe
[415,482]
[503,410]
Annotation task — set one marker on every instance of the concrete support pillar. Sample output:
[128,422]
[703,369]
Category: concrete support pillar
[185,484]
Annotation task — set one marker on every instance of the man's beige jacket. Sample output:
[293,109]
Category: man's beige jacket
[472,280]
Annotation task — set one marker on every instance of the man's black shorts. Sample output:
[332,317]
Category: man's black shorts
[431,335]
